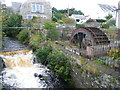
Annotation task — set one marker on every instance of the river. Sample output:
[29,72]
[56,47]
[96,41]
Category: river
[22,70]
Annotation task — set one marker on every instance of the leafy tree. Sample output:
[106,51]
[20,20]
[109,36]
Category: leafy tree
[15,20]
[109,16]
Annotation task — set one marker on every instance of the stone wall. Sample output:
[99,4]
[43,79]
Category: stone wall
[26,9]
[88,76]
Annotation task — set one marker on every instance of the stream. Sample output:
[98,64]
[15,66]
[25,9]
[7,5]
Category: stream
[22,70]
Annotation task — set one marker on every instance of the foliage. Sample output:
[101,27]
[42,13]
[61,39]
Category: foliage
[42,53]
[49,25]
[53,34]
[55,60]
[63,13]
[15,20]
[100,20]
[115,53]
[109,16]
[59,15]
[36,39]
[69,21]
[106,26]
[54,19]
[80,25]
[60,22]
[58,62]
[23,36]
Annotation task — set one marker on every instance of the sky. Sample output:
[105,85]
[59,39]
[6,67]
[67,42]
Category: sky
[88,7]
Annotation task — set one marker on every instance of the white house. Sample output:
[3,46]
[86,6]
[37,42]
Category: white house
[79,18]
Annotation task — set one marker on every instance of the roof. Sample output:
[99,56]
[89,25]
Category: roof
[107,8]
[78,16]
[16,5]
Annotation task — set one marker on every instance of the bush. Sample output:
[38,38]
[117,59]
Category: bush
[58,62]
[36,39]
[80,25]
[54,19]
[60,22]
[53,34]
[49,25]
[23,36]
[55,60]
[42,54]
[106,26]
[69,21]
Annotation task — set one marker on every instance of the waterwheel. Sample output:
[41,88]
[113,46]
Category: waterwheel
[88,36]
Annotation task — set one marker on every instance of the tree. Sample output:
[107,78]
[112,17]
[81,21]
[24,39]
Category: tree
[109,16]
[14,20]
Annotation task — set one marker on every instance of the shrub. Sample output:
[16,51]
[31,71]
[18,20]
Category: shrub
[69,21]
[53,34]
[106,26]
[55,60]
[35,40]
[80,25]
[54,19]
[49,25]
[23,36]
[58,62]
[60,22]
[42,54]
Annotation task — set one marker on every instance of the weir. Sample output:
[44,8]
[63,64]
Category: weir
[22,71]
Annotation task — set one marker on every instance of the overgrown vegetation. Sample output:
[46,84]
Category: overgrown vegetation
[14,20]
[23,36]
[36,39]
[55,60]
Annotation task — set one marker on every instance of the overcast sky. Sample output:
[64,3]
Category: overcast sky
[89,7]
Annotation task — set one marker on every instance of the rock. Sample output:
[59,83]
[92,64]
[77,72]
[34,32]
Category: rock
[2,64]
[35,74]
[40,76]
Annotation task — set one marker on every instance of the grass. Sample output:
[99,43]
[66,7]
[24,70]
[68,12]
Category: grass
[92,69]
[101,63]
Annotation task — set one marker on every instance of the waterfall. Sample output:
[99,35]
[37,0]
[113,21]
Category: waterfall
[20,72]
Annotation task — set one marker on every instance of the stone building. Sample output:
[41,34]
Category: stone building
[30,8]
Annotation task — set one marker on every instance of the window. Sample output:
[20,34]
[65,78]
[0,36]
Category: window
[33,8]
[37,8]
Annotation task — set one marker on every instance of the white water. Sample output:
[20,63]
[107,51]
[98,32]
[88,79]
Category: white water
[20,71]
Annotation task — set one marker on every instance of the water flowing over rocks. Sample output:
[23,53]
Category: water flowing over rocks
[22,71]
